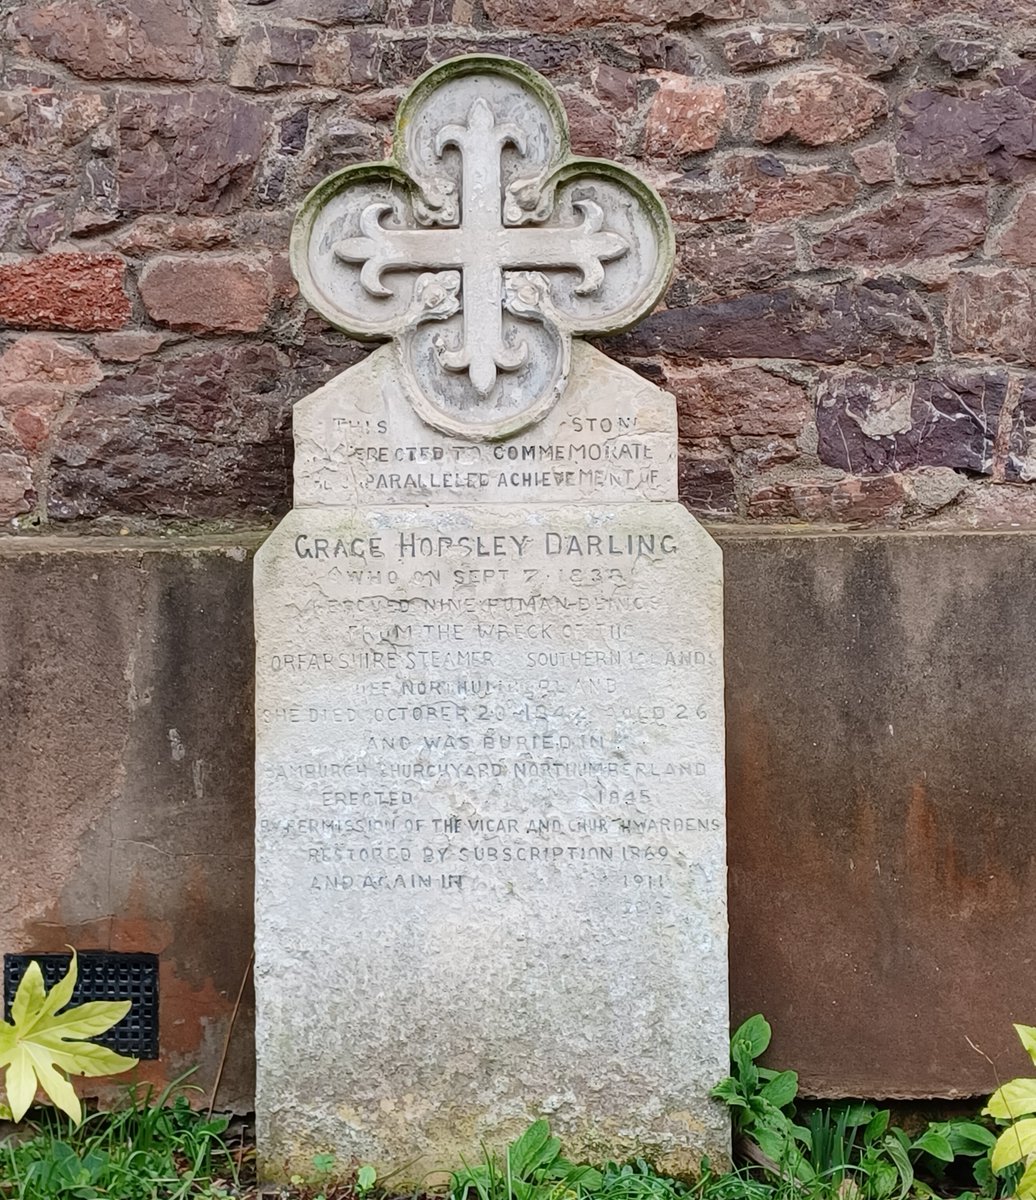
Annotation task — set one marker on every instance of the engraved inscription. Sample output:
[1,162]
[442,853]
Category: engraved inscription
[457,709]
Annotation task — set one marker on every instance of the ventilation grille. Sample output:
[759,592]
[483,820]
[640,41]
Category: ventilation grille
[103,975]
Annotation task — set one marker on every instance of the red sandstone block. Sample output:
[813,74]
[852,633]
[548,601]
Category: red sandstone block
[907,228]
[946,138]
[876,322]
[764,46]
[222,294]
[136,39]
[686,116]
[760,187]
[64,291]
[38,376]
[820,106]
[1018,241]
[945,417]
[991,314]
[16,491]
[725,401]
[724,264]
[869,501]
[562,16]
[592,127]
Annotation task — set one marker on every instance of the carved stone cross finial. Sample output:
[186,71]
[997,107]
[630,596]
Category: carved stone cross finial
[482,246]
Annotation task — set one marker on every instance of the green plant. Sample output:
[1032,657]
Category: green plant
[845,1149]
[1015,1102]
[366,1178]
[45,1042]
[148,1148]
[533,1169]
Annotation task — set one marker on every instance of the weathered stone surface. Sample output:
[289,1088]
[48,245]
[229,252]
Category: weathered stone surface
[844,668]
[126,701]
[1021,456]
[725,264]
[908,228]
[761,187]
[17,494]
[562,16]
[358,441]
[686,116]
[947,138]
[467,860]
[724,401]
[991,314]
[150,233]
[50,118]
[211,294]
[38,378]
[1018,240]
[43,226]
[36,358]
[829,499]
[592,128]
[117,39]
[202,433]
[127,347]
[876,162]
[186,151]
[64,291]
[706,475]
[876,322]
[764,46]
[26,178]
[273,55]
[820,106]
[869,424]
[867,51]
[963,56]
[328,12]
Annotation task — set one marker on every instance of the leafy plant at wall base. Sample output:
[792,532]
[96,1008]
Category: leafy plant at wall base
[42,1045]
[533,1169]
[1011,1102]
[847,1148]
[148,1147]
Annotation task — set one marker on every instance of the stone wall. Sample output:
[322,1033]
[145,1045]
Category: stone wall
[880,758]
[849,333]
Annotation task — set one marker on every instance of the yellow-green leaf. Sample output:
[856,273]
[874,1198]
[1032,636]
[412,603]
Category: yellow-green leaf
[86,1058]
[21,1084]
[1027,1036]
[1026,1189]
[1014,1099]
[43,1045]
[61,993]
[30,995]
[55,1084]
[1014,1144]
[88,1020]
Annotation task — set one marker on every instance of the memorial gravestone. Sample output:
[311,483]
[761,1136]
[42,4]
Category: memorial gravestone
[490,862]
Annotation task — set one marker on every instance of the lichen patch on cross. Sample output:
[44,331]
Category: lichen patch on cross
[482,246]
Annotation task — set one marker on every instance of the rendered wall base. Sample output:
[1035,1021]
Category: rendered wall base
[881,751]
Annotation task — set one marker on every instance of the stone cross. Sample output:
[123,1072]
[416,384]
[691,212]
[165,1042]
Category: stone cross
[482,247]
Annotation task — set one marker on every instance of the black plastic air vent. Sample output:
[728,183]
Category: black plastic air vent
[103,975]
